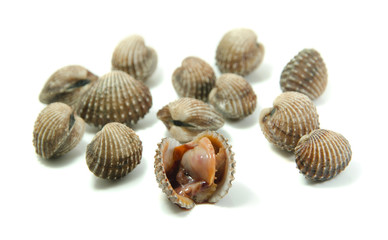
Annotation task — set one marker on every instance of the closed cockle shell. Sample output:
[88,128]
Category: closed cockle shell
[233,96]
[114,151]
[305,73]
[115,97]
[195,78]
[322,154]
[66,85]
[187,181]
[133,57]
[187,117]
[239,52]
[57,130]
[293,115]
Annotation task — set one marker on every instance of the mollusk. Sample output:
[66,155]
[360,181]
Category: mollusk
[322,154]
[305,73]
[195,78]
[66,85]
[132,56]
[239,52]
[57,130]
[115,97]
[114,151]
[233,96]
[187,117]
[293,115]
[195,172]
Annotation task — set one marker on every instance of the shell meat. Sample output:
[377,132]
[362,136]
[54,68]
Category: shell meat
[196,172]
[115,97]
[132,56]
[305,73]
[233,96]
[195,79]
[239,52]
[187,117]
[57,130]
[67,84]
[293,115]
[114,152]
[322,154]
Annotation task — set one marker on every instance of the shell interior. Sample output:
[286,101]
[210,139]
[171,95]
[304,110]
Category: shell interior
[169,160]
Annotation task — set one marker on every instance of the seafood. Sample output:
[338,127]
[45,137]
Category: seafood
[196,172]
[57,130]
[187,117]
[322,154]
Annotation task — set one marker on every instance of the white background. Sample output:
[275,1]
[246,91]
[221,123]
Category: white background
[269,199]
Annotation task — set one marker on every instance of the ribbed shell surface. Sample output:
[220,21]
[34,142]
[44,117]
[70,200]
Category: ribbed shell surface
[322,154]
[66,85]
[132,56]
[293,115]
[57,130]
[165,150]
[114,152]
[305,73]
[233,96]
[239,52]
[187,117]
[115,97]
[195,79]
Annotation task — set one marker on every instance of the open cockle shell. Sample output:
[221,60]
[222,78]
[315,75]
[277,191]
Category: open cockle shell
[167,163]
[133,57]
[239,52]
[305,73]
[57,130]
[187,117]
[233,96]
[114,151]
[322,154]
[293,115]
[67,84]
[195,79]
[115,97]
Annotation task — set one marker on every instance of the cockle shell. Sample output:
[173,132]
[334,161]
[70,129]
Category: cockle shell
[204,179]
[293,115]
[322,154]
[57,130]
[187,117]
[305,73]
[132,56]
[114,151]
[233,96]
[66,85]
[195,78]
[115,97]
[239,52]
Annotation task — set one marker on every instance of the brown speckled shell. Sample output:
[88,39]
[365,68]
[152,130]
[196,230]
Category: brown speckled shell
[322,154]
[239,52]
[195,79]
[233,96]
[293,115]
[66,85]
[114,152]
[187,117]
[57,130]
[133,57]
[115,97]
[305,73]
[165,149]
